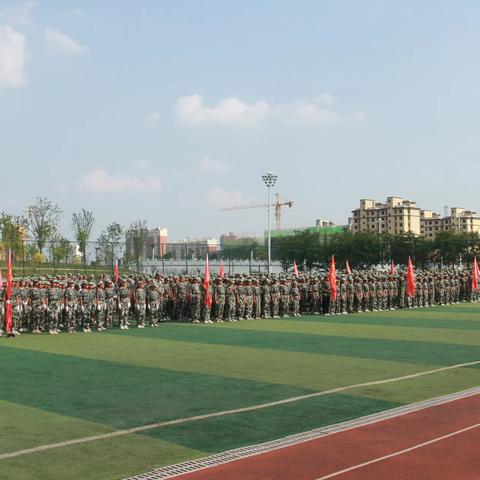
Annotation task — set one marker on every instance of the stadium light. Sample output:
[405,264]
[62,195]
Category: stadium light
[269,179]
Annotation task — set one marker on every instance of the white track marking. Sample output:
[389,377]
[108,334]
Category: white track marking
[400,452]
[172,471]
[178,421]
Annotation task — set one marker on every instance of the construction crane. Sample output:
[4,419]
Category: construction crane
[279,203]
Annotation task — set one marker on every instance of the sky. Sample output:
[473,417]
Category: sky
[168,111]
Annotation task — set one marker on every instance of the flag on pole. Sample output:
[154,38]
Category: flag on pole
[8,301]
[221,271]
[206,284]
[392,268]
[475,274]
[332,277]
[347,268]
[410,279]
[115,273]
[295,268]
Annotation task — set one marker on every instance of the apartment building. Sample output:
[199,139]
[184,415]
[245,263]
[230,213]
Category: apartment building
[395,216]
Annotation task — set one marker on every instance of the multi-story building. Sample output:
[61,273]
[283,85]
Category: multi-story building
[193,249]
[459,221]
[154,246]
[395,217]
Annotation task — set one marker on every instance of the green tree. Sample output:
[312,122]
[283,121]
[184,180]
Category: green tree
[12,229]
[82,224]
[43,216]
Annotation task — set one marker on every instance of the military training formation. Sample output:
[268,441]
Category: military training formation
[75,303]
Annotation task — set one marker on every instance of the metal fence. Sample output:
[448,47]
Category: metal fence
[56,257]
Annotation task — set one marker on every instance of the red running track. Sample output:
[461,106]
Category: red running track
[456,457]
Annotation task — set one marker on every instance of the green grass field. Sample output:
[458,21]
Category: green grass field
[64,387]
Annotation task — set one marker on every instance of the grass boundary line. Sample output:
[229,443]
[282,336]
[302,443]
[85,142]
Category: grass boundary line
[172,471]
[179,421]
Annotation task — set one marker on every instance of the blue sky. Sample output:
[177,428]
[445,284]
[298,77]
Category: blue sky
[169,110]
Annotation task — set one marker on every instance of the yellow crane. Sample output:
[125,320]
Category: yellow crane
[278,204]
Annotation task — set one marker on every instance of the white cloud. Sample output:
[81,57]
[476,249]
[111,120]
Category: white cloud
[192,111]
[141,163]
[76,12]
[212,166]
[222,198]
[21,14]
[61,42]
[306,113]
[152,117]
[13,56]
[325,99]
[99,180]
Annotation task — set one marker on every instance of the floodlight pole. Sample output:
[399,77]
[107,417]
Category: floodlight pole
[269,180]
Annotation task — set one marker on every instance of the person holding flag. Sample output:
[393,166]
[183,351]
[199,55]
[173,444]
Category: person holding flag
[207,294]
[9,330]
[411,285]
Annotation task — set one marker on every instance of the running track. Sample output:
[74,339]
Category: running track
[440,442]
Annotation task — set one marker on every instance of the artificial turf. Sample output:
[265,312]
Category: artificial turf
[56,388]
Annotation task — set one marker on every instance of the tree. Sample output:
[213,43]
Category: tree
[136,241]
[108,243]
[60,249]
[12,229]
[82,223]
[43,216]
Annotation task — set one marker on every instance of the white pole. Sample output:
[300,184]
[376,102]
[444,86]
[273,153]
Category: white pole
[269,227]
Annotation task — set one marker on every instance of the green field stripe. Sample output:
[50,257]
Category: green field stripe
[111,459]
[423,388]
[314,371]
[122,395]
[220,434]
[381,349]
[355,330]
[395,320]
[25,427]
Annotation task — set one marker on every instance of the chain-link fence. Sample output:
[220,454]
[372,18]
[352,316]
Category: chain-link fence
[57,257]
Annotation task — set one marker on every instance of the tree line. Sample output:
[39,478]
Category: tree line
[365,249]
[30,234]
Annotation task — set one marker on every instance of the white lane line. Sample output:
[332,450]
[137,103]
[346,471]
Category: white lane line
[400,452]
[178,421]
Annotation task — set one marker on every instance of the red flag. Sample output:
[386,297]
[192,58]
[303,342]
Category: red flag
[332,277]
[410,279]
[347,268]
[295,268]
[221,272]
[8,306]
[1,279]
[392,268]
[115,273]
[206,284]
[475,274]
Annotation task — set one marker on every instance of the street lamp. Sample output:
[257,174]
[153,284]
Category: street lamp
[269,179]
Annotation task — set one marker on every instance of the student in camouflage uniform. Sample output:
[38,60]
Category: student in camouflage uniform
[87,306]
[123,298]
[265,299]
[152,304]
[70,305]
[54,296]
[101,306]
[295,299]
[194,297]
[140,302]
[110,303]
[219,300]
